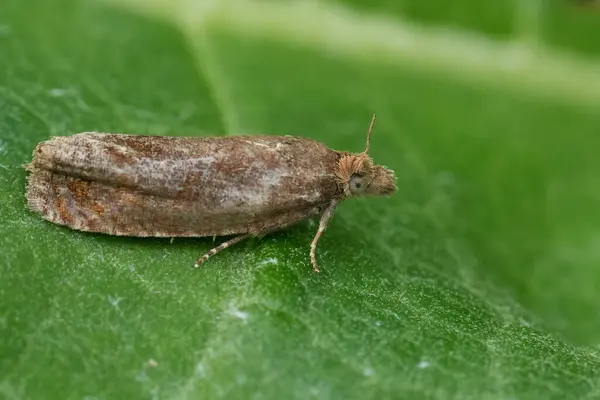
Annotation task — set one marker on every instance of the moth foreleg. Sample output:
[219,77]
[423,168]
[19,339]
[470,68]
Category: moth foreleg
[322,226]
[220,248]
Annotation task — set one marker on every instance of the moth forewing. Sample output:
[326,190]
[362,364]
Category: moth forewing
[136,185]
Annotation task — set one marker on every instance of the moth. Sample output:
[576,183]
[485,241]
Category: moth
[162,186]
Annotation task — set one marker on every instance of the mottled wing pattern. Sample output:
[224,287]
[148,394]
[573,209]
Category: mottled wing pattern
[180,186]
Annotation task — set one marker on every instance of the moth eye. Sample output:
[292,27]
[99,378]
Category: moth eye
[357,184]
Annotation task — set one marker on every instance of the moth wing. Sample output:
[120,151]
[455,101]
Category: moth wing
[169,186]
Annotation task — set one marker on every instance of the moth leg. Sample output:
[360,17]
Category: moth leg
[322,226]
[220,248]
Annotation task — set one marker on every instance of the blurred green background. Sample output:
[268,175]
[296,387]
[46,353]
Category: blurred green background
[478,280]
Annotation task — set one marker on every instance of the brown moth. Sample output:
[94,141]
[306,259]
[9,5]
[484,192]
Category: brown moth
[136,185]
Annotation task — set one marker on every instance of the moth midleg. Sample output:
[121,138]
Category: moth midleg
[220,248]
[322,226]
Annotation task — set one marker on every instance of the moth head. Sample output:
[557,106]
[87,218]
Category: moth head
[357,175]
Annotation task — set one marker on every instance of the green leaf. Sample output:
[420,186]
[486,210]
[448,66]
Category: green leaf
[477,280]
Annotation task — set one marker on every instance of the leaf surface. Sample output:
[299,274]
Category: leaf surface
[477,280]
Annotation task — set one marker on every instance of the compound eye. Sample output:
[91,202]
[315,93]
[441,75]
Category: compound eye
[358,184]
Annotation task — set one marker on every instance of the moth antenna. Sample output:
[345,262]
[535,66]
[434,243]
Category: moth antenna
[370,133]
